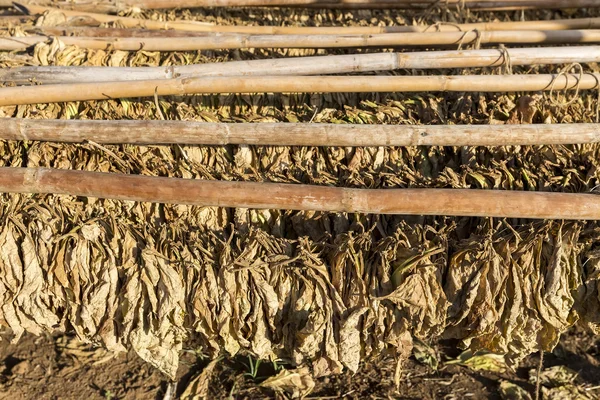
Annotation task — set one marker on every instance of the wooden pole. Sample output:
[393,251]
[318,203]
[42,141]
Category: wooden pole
[122,5]
[240,41]
[128,22]
[452,202]
[294,134]
[114,33]
[293,84]
[319,65]
[285,66]
[397,4]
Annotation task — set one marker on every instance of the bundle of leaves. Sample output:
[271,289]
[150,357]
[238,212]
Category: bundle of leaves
[320,289]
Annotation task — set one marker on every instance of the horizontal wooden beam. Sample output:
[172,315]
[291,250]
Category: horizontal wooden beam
[452,202]
[129,22]
[318,65]
[293,134]
[123,5]
[244,41]
[294,84]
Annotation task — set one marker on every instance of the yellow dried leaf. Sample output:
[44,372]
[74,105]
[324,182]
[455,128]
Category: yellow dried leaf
[297,383]
[198,388]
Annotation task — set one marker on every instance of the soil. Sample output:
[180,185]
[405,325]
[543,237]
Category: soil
[60,367]
[42,368]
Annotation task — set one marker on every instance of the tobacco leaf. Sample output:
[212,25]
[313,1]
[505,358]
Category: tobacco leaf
[198,388]
[511,391]
[297,383]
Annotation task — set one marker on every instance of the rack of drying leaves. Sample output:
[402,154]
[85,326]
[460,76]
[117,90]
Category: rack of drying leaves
[328,196]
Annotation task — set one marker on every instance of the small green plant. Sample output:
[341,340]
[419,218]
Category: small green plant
[232,391]
[253,366]
[108,395]
[278,365]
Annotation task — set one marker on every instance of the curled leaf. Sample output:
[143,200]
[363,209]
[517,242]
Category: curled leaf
[198,387]
[558,375]
[297,383]
[481,361]
[510,391]
[425,354]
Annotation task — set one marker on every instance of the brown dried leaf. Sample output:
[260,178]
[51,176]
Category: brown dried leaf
[298,383]
[350,340]
[198,388]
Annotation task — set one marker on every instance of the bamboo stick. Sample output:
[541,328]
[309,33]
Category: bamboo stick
[113,33]
[293,84]
[109,6]
[402,38]
[319,65]
[284,66]
[398,4]
[128,22]
[294,134]
[452,202]
[239,41]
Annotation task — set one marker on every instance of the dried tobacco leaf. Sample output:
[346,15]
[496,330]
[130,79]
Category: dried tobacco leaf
[198,388]
[510,391]
[481,361]
[569,392]
[298,383]
[425,354]
[511,295]
[556,376]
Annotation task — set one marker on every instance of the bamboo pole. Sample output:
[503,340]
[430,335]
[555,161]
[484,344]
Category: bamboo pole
[452,202]
[109,6]
[397,4]
[401,38]
[113,33]
[283,66]
[294,134]
[239,41]
[293,84]
[128,22]
[319,65]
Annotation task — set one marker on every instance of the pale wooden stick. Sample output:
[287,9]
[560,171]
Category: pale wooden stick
[113,33]
[320,65]
[399,4]
[239,41]
[582,23]
[121,5]
[285,84]
[283,66]
[294,134]
[452,202]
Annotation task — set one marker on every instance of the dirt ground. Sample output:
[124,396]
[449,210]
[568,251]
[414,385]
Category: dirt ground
[60,367]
